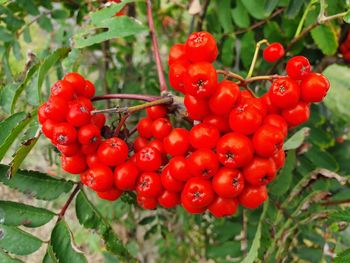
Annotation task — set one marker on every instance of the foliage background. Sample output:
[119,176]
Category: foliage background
[306,218]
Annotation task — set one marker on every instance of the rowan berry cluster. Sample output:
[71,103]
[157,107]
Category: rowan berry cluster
[345,48]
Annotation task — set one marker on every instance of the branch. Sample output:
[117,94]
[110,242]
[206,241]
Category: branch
[202,15]
[126,96]
[162,82]
[69,201]
[340,202]
[230,75]
[255,57]
[259,78]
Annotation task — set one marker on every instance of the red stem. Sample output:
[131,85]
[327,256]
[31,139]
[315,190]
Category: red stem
[126,96]
[162,82]
[68,202]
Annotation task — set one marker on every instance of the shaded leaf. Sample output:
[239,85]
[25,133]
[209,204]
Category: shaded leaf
[341,215]
[240,15]
[326,39]
[247,48]
[321,158]
[343,257]
[227,52]
[224,9]
[147,220]
[45,23]
[296,139]
[294,8]
[229,248]
[346,18]
[5,258]
[256,8]
[50,256]
[270,5]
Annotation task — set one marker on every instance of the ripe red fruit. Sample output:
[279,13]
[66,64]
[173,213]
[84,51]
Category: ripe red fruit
[277,121]
[161,127]
[89,134]
[64,133]
[273,52]
[314,87]
[224,98]
[157,144]
[203,163]
[156,112]
[148,159]
[228,183]
[201,46]
[112,151]
[197,109]
[177,142]
[144,127]
[89,90]
[98,178]
[267,140]
[190,208]
[221,207]
[284,93]
[148,203]
[169,182]
[92,160]
[204,136]
[260,171]
[271,109]
[201,80]
[297,115]
[139,143]
[149,185]
[75,164]
[169,199]
[234,150]
[78,114]
[41,113]
[198,192]
[218,121]
[177,75]
[77,81]
[279,159]
[98,120]
[125,176]
[47,128]
[110,195]
[90,148]
[178,168]
[62,89]
[253,196]
[84,102]
[298,67]
[177,53]
[56,108]
[68,150]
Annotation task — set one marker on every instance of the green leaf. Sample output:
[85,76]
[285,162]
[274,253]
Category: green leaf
[256,8]
[224,9]
[296,139]
[62,245]
[90,218]
[59,14]
[284,179]
[240,15]
[342,154]
[294,8]
[227,53]
[36,184]
[346,18]
[29,6]
[343,257]
[18,242]
[247,48]
[321,138]
[229,248]
[50,256]
[322,159]
[341,215]
[5,258]
[45,23]
[5,35]
[270,5]
[147,220]
[49,62]
[17,214]
[326,39]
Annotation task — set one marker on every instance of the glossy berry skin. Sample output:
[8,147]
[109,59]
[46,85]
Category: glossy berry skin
[78,114]
[64,133]
[224,98]
[201,46]
[89,90]
[90,148]
[253,196]
[75,164]
[148,159]
[125,176]
[228,183]
[89,134]
[144,127]
[156,112]
[297,115]
[271,108]
[221,207]
[201,80]
[92,160]
[68,150]
[177,142]
[177,75]
[139,143]
[314,87]
[62,89]
[284,93]
[179,168]
[98,120]
[190,208]
[234,150]
[149,185]
[77,81]
[169,199]
[273,52]
[268,140]
[279,159]
[198,192]
[98,178]
[203,163]
[157,144]
[204,136]
[47,128]
[277,121]
[177,53]
[260,171]
[161,127]
[218,121]
[82,101]
[41,113]
[110,195]
[169,182]
[56,108]
[148,203]
[113,151]
[197,108]
[298,67]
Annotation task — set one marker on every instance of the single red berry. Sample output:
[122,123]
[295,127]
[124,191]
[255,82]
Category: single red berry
[157,144]
[177,142]
[125,176]
[218,121]
[47,128]
[190,208]
[297,115]
[149,185]
[41,113]
[89,134]
[198,192]
[177,53]
[197,109]
[314,87]
[110,195]
[273,52]
[98,120]
[68,150]
[277,121]
[62,89]
[177,75]
[85,102]
[253,196]
[203,163]
[112,151]
[64,133]
[201,80]
[169,182]
[279,159]
[90,148]
[89,90]
[298,67]
[144,127]
[260,171]
[156,112]
[179,169]
[92,160]
[148,159]
[56,109]
[204,136]
[98,178]
[234,150]
[169,199]
[201,46]
[161,128]
[139,143]
[257,103]
[75,164]
[149,203]
[78,115]
[228,183]
[77,81]
[221,207]
[284,93]
[271,109]
[268,140]
[224,98]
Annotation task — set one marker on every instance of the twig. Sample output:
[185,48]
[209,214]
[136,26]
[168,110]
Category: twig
[202,15]
[69,201]
[121,124]
[340,202]
[126,96]
[255,57]
[20,32]
[259,78]
[230,75]
[244,240]
[162,82]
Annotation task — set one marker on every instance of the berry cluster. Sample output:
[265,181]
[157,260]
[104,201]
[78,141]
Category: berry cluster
[345,48]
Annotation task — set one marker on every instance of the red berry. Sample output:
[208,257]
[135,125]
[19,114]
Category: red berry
[190,208]
[125,176]
[89,90]
[260,171]
[110,195]
[284,93]
[177,53]
[279,159]
[198,192]
[92,160]
[85,102]
[161,127]
[75,164]
[139,143]
[157,144]
[77,81]
[169,199]
[297,115]
[90,148]
[64,133]
[41,113]
[268,140]
[68,150]
[314,87]
[203,163]
[148,159]
[224,98]
[178,168]
[47,128]
[273,52]
[221,207]
[253,196]
[201,46]
[177,142]
[98,178]
[218,121]
[298,67]
[78,114]
[98,120]
[149,185]
[271,109]
[277,121]
[112,151]
[177,75]
[228,183]
[204,136]
[62,89]
[56,109]
[89,134]
[169,182]
[156,112]
[197,108]
[144,127]
[148,203]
